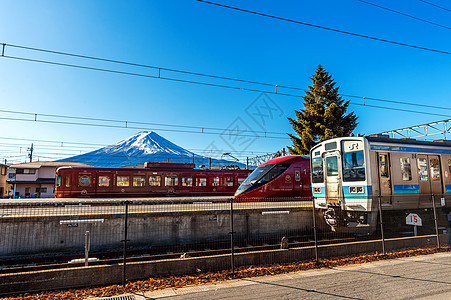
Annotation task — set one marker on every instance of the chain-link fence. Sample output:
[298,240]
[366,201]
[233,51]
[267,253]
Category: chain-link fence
[87,232]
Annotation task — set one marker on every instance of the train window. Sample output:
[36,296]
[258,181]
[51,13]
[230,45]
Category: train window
[58,180]
[353,166]
[332,166]
[241,180]
[139,180]
[423,169]
[297,175]
[201,181]
[383,165]
[123,181]
[187,181]
[274,172]
[215,181]
[406,170]
[435,169]
[330,146]
[67,181]
[257,174]
[171,181]
[154,180]
[84,180]
[104,181]
[317,170]
[228,181]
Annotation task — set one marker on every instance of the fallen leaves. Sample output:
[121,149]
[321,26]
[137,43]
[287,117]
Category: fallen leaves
[151,284]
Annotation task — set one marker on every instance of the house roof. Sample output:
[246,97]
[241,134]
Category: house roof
[39,164]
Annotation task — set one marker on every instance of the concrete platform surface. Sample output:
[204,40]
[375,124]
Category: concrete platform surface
[420,277]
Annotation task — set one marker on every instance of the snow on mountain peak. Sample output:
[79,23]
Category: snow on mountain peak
[148,142]
[140,148]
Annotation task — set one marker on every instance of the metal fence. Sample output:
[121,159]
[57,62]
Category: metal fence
[74,232]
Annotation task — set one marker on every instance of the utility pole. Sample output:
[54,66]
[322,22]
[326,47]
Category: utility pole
[31,152]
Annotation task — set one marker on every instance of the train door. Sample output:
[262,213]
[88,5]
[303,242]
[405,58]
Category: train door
[332,162]
[436,175]
[385,179]
[297,183]
[429,178]
[424,179]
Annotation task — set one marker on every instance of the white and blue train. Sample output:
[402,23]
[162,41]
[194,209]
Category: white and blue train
[351,175]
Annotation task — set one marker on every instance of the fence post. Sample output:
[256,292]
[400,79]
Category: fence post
[314,230]
[381,224]
[87,246]
[232,246]
[435,221]
[124,253]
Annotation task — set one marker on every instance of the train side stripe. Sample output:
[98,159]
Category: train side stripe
[409,149]
[406,189]
[367,194]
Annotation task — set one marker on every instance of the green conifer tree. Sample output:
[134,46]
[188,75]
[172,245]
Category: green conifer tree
[323,117]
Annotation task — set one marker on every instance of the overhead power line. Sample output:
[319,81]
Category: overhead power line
[275,91]
[327,28]
[441,7]
[78,149]
[126,125]
[403,14]
[134,122]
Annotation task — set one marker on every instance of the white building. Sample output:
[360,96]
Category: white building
[35,179]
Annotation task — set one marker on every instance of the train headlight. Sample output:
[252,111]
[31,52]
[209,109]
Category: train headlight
[317,190]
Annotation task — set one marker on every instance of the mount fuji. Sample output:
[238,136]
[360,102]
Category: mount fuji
[145,146]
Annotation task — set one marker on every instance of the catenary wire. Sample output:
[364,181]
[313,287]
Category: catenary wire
[139,128]
[441,7]
[133,122]
[197,82]
[403,14]
[78,149]
[326,28]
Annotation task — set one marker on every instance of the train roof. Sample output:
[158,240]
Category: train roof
[387,139]
[286,159]
[173,168]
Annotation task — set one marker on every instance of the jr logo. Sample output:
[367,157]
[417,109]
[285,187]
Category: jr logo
[353,146]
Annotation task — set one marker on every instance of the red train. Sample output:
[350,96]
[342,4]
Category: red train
[287,176]
[155,179]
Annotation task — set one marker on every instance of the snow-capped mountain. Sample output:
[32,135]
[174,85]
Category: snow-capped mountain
[140,148]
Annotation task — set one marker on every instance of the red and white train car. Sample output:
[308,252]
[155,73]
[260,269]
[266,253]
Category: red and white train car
[155,179]
[282,177]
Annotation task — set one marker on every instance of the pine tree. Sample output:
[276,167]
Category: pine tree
[323,117]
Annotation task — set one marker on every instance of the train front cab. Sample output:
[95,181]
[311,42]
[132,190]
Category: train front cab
[279,178]
[341,184]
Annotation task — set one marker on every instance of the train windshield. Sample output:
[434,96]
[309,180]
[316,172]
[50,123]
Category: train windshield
[257,174]
[260,176]
[353,161]
[317,170]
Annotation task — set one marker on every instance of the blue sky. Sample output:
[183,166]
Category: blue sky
[197,37]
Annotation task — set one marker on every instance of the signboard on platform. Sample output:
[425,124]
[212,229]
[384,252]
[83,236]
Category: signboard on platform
[414,219]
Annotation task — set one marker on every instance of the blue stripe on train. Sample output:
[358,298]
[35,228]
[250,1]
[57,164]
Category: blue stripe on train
[409,149]
[447,188]
[367,194]
[406,189]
